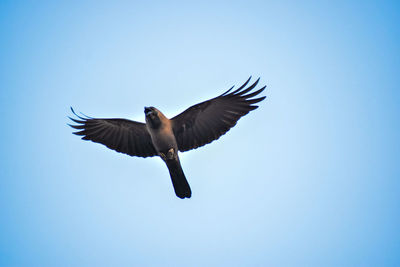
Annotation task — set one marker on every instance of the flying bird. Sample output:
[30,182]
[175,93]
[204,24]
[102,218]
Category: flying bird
[159,136]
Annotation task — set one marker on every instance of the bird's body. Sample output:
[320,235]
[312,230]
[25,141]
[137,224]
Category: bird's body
[198,125]
[161,133]
[163,138]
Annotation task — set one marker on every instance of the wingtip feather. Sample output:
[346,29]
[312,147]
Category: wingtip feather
[241,87]
[253,93]
[227,91]
[80,117]
[77,121]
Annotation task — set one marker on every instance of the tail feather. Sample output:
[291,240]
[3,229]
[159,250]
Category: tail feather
[181,185]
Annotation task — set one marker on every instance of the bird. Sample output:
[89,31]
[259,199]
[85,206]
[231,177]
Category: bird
[197,126]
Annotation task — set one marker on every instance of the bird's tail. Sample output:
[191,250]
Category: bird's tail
[181,185]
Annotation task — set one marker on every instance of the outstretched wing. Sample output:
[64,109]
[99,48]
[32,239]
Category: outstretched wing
[207,121]
[125,136]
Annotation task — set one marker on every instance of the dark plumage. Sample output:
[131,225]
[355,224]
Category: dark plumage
[196,126]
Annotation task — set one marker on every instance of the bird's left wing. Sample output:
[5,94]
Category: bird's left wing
[207,121]
[125,136]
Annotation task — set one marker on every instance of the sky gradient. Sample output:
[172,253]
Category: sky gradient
[311,178]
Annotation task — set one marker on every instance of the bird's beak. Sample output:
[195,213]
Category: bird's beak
[147,110]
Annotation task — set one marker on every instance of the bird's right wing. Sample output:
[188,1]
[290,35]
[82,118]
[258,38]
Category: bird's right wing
[125,136]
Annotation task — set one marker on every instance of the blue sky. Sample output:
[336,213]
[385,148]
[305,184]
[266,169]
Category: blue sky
[311,178]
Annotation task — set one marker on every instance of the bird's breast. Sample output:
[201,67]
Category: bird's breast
[163,139]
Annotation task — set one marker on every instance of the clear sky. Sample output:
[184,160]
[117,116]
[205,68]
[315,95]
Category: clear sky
[311,178]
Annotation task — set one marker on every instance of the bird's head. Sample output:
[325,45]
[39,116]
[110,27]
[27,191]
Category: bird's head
[148,110]
[152,117]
